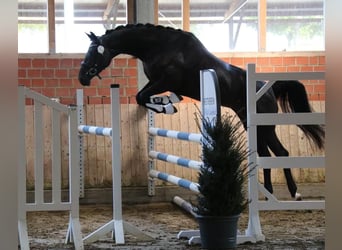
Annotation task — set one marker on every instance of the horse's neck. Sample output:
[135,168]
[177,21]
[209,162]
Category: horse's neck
[130,42]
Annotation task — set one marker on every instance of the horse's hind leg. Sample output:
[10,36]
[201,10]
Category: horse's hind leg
[279,150]
[264,152]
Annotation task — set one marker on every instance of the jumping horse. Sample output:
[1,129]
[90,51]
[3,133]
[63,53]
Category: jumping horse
[172,60]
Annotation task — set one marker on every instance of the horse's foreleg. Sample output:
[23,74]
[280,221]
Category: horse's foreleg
[164,103]
[165,99]
[160,108]
[159,104]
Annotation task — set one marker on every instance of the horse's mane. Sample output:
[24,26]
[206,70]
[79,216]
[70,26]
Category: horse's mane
[141,26]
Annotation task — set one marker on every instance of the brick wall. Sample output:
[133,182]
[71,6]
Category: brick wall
[56,76]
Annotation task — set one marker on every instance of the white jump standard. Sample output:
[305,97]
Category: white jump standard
[56,204]
[117,225]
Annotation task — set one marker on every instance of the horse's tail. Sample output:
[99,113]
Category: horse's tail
[292,97]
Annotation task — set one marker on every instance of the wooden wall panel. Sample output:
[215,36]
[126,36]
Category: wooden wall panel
[134,148]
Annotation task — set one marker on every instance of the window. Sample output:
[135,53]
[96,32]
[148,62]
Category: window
[76,19]
[222,25]
[33,27]
[295,25]
[73,18]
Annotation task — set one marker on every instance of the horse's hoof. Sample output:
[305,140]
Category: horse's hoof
[298,197]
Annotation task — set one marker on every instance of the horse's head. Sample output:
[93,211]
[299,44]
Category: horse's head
[97,59]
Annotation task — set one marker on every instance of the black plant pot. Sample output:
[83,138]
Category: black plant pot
[218,232]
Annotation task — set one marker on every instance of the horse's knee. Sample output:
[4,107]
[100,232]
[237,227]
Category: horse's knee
[141,99]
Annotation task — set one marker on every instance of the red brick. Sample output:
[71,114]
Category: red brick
[24,63]
[51,83]
[309,88]
[131,91]
[120,80]
[293,69]
[130,72]
[25,82]
[250,60]
[321,60]
[263,61]
[52,63]
[105,72]
[61,73]
[132,81]
[289,60]
[22,73]
[66,82]
[106,100]
[266,69]
[132,62]
[77,62]
[279,69]
[62,92]
[239,62]
[50,92]
[28,102]
[38,63]
[48,73]
[103,91]
[132,100]
[33,73]
[90,91]
[120,62]
[313,60]
[66,63]
[107,81]
[67,100]
[302,60]
[317,97]
[73,73]
[320,68]
[116,72]
[319,88]
[123,100]
[276,61]
[306,69]
[38,83]
[95,100]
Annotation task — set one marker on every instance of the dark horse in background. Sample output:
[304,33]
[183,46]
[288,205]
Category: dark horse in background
[172,60]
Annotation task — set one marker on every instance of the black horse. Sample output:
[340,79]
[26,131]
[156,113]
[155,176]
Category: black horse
[172,60]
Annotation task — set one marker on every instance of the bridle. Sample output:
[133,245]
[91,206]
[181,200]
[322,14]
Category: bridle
[92,70]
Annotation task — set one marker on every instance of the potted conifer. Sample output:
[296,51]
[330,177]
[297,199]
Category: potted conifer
[222,178]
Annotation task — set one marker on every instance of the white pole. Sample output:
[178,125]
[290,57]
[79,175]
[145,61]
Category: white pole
[116,163]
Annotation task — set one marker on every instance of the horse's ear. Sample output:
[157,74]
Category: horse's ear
[93,37]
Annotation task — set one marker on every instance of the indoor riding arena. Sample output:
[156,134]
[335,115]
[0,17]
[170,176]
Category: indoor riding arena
[111,160]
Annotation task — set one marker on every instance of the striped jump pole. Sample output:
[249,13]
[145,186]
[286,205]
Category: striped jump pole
[176,160]
[194,137]
[94,130]
[211,109]
[175,180]
[184,204]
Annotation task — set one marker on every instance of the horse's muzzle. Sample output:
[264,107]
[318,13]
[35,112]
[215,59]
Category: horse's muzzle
[84,81]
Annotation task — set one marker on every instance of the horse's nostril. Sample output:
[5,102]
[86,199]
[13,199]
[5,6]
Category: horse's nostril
[84,81]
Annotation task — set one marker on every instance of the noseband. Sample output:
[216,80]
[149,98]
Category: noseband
[92,69]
